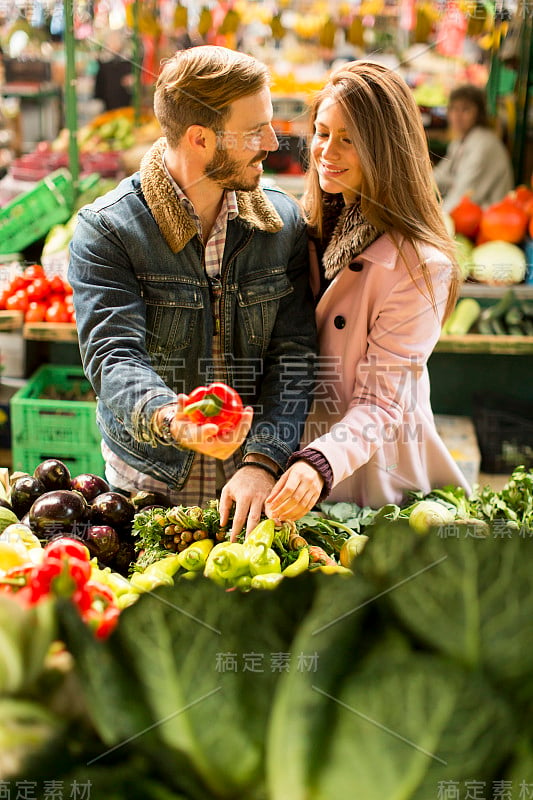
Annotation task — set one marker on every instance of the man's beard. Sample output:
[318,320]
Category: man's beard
[229,173]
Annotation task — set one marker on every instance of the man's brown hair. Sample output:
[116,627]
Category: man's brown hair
[197,87]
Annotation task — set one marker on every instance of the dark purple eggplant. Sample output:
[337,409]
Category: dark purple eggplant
[123,559]
[103,542]
[24,492]
[112,508]
[5,504]
[53,474]
[58,512]
[90,486]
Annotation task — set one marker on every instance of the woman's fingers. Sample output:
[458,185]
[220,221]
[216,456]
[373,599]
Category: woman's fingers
[295,493]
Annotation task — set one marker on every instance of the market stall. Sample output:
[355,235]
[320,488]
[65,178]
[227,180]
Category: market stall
[373,653]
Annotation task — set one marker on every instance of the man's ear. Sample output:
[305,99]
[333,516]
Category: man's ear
[201,139]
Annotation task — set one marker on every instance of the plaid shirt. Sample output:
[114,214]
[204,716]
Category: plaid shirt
[207,475]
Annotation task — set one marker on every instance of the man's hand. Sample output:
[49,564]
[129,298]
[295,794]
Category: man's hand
[206,438]
[248,489]
[296,492]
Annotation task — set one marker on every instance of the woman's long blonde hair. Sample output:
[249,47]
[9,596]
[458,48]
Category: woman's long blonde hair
[398,193]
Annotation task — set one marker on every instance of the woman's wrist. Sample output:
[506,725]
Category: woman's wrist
[320,463]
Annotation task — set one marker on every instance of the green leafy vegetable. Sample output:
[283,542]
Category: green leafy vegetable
[392,732]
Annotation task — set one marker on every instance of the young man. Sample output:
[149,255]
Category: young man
[188,272]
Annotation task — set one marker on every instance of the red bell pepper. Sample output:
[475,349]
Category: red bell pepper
[217,403]
[97,605]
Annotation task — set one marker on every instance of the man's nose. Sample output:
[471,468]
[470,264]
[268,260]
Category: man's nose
[270,139]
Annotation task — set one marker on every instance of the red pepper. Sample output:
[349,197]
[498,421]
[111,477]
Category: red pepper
[64,546]
[97,605]
[217,403]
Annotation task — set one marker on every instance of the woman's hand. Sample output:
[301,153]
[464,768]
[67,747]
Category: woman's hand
[296,492]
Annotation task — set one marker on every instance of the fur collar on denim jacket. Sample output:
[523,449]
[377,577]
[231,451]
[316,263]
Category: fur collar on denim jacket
[175,224]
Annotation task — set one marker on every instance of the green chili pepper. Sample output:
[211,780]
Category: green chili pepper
[190,575]
[226,562]
[147,583]
[262,559]
[195,556]
[300,565]
[244,583]
[269,580]
[352,547]
[168,565]
[262,533]
[127,599]
[334,569]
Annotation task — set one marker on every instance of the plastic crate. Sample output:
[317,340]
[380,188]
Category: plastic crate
[64,429]
[31,215]
[504,429]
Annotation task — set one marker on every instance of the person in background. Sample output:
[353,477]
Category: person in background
[190,272]
[477,162]
[385,280]
[113,83]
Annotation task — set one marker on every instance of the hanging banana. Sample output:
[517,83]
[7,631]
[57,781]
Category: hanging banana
[181,16]
[230,23]
[277,28]
[355,32]
[326,36]
[205,22]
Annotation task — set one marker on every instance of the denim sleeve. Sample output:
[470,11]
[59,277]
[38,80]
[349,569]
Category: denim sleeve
[111,323]
[289,366]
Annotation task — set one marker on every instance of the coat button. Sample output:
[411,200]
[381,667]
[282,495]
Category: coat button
[339,322]
[356,266]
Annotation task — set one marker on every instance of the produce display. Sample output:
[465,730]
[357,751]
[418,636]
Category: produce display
[39,298]
[509,315]
[410,667]
[491,241]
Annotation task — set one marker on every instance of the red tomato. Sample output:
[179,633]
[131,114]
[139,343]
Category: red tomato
[3,297]
[36,312]
[57,312]
[17,301]
[68,288]
[38,289]
[522,196]
[32,272]
[56,285]
[504,221]
[16,283]
[467,217]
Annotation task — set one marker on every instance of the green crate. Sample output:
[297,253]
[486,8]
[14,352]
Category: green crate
[25,459]
[64,429]
[31,215]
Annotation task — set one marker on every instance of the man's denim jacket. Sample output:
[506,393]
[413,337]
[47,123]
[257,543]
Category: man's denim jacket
[144,316]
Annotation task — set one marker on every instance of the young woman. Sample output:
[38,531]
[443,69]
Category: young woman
[385,279]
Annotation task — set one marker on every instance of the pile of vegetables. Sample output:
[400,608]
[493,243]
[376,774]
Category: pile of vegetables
[110,132]
[408,676]
[508,316]
[188,542]
[491,241]
[39,298]
[51,503]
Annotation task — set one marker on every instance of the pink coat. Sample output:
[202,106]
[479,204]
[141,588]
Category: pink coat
[372,416]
